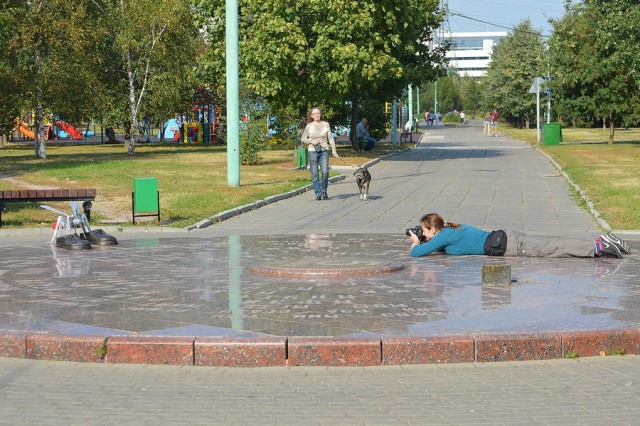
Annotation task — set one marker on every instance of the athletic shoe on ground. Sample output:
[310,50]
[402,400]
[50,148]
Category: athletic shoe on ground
[606,248]
[618,242]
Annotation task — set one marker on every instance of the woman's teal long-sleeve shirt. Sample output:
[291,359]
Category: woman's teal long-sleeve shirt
[457,241]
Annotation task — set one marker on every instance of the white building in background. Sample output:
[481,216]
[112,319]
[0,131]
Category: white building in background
[471,52]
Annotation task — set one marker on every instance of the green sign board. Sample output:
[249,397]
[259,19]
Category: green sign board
[145,194]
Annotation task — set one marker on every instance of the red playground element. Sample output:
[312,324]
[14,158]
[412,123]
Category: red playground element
[72,131]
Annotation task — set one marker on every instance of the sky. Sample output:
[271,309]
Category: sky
[501,13]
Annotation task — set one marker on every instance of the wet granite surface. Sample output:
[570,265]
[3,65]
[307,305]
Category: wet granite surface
[185,287]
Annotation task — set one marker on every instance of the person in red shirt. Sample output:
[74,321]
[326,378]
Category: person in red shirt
[494,122]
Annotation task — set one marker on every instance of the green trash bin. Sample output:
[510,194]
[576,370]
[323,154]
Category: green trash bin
[552,134]
[301,158]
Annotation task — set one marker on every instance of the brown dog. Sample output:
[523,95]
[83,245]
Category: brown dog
[363,178]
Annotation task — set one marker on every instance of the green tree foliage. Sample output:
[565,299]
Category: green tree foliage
[154,49]
[448,95]
[516,61]
[596,63]
[9,96]
[253,131]
[50,59]
[324,53]
[471,95]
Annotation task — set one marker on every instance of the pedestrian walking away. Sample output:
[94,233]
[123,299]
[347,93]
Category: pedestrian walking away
[486,129]
[494,122]
[436,235]
[318,137]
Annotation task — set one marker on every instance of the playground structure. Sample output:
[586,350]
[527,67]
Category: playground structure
[200,124]
[68,129]
[26,131]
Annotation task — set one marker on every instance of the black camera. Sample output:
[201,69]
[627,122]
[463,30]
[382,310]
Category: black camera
[418,231]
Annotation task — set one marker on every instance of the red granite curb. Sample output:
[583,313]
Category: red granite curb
[319,351]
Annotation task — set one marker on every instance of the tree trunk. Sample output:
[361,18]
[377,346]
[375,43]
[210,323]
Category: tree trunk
[526,123]
[129,138]
[39,145]
[612,130]
[353,137]
[604,123]
[3,140]
[39,134]
[302,123]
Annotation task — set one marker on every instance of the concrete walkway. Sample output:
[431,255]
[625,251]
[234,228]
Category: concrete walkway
[589,391]
[166,285]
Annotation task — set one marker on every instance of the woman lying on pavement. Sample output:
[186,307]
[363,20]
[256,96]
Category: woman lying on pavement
[458,239]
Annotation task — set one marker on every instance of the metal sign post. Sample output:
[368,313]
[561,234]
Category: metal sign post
[535,88]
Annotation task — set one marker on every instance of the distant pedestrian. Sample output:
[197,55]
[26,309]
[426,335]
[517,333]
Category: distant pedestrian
[486,129]
[494,122]
[426,118]
[462,117]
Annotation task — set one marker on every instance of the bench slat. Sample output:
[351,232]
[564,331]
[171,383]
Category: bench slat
[47,194]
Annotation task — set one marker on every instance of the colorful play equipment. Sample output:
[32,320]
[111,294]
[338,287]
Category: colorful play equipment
[192,132]
[25,131]
[63,128]
[170,128]
[69,130]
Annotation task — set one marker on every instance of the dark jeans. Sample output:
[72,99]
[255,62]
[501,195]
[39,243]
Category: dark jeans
[369,143]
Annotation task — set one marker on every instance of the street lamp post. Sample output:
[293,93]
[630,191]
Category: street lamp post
[233,90]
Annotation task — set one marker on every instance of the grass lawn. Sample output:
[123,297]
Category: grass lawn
[608,174]
[192,179]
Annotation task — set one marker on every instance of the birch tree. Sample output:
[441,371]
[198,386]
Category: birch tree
[156,47]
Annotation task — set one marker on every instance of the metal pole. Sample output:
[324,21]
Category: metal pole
[410,109]
[538,114]
[435,98]
[233,88]
[394,118]
[418,101]
[548,106]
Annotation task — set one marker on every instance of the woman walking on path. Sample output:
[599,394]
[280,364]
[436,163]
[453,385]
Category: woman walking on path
[487,124]
[318,137]
[458,239]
